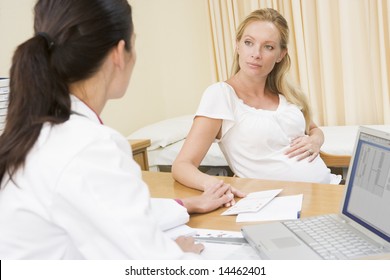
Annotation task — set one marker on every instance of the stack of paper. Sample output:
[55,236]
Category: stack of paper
[253,202]
[265,206]
[280,208]
[224,245]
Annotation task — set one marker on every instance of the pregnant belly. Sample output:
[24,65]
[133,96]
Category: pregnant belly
[288,169]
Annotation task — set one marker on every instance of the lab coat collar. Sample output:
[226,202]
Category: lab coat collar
[80,107]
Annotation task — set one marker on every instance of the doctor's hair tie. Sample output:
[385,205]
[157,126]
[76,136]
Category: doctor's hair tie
[49,40]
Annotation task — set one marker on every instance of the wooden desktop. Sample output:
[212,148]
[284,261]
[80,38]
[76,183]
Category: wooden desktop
[335,160]
[317,198]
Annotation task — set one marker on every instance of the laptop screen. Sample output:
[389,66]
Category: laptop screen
[4,92]
[367,198]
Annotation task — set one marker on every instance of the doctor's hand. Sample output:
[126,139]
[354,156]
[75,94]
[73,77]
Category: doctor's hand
[212,198]
[303,147]
[187,244]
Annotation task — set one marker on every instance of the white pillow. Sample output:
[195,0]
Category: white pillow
[164,133]
[167,155]
[347,133]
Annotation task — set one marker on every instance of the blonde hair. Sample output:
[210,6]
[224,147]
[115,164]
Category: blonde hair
[277,81]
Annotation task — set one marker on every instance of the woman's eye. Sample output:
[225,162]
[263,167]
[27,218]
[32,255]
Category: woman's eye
[269,47]
[248,43]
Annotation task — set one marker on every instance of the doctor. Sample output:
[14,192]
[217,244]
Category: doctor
[69,188]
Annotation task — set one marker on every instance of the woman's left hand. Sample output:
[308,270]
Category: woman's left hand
[303,147]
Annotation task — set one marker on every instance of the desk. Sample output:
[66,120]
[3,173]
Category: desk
[317,198]
[335,160]
[140,154]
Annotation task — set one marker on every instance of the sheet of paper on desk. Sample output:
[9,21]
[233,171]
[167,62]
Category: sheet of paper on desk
[224,250]
[175,232]
[280,208]
[253,202]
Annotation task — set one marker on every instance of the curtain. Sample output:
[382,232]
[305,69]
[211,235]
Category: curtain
[339,51]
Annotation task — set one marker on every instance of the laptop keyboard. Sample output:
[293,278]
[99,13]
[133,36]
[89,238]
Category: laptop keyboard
[327,236]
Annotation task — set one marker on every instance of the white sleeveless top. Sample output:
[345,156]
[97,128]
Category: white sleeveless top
[254,140]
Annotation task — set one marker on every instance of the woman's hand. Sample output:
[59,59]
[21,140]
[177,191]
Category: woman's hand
[304,147]
[212,198]
[187,244]
[234,192]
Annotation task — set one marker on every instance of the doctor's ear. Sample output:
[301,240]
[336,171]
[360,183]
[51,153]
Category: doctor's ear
[118,54]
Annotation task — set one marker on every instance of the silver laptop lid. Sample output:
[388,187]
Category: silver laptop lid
[367,197]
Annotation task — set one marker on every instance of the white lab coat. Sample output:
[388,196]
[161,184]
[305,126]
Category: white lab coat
[80,196]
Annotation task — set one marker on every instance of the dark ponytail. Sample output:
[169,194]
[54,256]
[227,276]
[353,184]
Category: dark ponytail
[72,39]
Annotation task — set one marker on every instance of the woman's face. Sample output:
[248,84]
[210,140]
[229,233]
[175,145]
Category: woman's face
[259,49]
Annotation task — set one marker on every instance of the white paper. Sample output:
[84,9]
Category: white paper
[221,251]
[280,208]
[202,232]
[184,230]
[253,202]
[215,251]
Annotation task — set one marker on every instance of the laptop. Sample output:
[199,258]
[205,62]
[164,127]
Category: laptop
[361,229]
